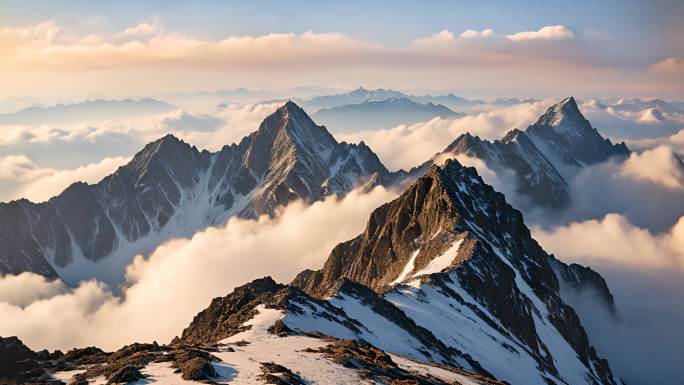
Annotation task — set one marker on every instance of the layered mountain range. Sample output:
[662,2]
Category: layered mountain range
[99,109]
[171,189]
[380,114]
[544,157]
[444,286]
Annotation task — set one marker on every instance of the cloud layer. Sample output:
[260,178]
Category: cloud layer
[407,146]
[39,161]
[538,60]
[645,273]
[180,278]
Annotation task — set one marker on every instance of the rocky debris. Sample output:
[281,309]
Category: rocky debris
[194,364]
[225,316]
[124,375]
[279,329]
[19,364]
[377,365]
[83,356]
[273,373]
[114,371]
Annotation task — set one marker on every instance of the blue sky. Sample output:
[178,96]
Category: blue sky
[625,35]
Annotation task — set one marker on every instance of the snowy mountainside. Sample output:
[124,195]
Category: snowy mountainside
[544,157]
[472,276]
[171,189]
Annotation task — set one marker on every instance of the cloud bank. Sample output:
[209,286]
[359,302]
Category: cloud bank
[22,178]
[180,278]
[645,273]
[406,146]
[41,160]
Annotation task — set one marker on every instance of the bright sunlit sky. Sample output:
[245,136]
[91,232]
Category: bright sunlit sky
[483,49]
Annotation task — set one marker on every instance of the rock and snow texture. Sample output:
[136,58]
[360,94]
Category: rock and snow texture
[171,189]
[445,285]
[544,157]
[495,305]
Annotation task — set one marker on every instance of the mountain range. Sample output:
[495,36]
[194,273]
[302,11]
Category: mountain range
[380,114]
[171,189]
[544,157]
[100,109]
[444,286]
[635,118]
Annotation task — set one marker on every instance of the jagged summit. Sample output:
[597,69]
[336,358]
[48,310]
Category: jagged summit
[172,189]
[569,141]
[545,156]
[563,114]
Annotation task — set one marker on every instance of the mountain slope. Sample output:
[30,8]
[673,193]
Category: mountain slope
[456,259]
[171,189]
[444,286]
[378,114]
[544,157]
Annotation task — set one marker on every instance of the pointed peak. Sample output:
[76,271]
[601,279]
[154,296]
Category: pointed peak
[290,106]
[563,116]
[167,146]
[568,104]
[298,126]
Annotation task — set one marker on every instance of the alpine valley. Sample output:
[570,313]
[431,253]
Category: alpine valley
[444,285]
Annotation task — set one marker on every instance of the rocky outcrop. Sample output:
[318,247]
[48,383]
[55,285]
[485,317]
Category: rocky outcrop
[226,316]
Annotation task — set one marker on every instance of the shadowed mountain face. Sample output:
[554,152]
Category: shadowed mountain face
[447,273]
[545,157]
[172,189]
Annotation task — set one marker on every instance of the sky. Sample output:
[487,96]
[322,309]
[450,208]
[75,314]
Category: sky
[479,49]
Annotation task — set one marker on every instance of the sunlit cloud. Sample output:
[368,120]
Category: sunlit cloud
[549,32]
[181,277]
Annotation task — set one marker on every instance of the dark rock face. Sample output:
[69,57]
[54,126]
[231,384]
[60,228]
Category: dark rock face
[273,373]
[12,351]
[582,278]
[544,157]
[172,185]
